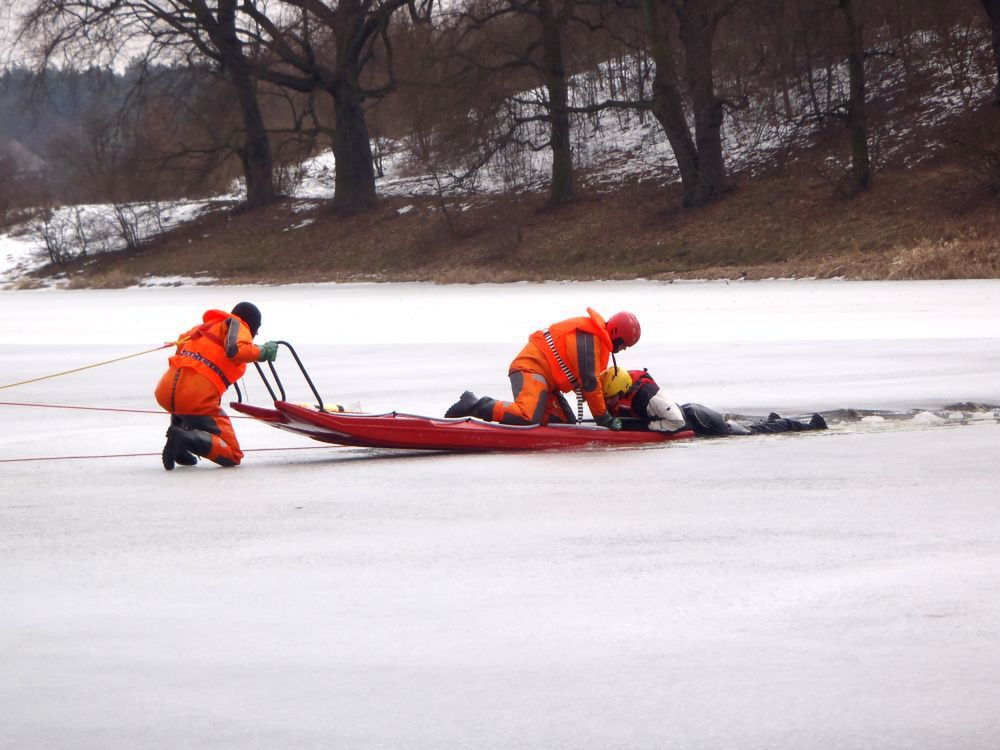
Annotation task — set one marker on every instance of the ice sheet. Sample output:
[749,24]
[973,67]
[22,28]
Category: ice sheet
[837,589]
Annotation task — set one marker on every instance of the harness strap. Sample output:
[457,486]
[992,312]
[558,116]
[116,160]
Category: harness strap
[208,363]
[203,330]
[577,388]
[173,391]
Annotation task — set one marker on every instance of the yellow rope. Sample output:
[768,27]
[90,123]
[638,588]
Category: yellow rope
[90,367]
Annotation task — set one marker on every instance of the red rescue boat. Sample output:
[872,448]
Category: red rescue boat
[413,432]
[410,431]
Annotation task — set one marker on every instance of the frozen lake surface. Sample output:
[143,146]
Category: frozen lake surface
[836,590]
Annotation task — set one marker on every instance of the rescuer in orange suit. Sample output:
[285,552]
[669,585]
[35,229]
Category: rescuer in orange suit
[566,356]
[209,358]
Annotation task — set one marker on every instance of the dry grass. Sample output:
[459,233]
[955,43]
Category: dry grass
[112,278]
[921,223]
[957,259]
[26,283]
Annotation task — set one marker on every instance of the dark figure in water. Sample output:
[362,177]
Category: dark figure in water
[634,394]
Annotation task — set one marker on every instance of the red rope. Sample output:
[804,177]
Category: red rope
[136,455]
[124,455]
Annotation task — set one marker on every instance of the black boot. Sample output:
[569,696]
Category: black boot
[464,407]
[168,451]
[185,458]
[817,422]
[173,451]
[192,442]
[483,409]
[471,406]
[562,405]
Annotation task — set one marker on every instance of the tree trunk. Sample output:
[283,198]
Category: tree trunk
[255,154]
[857,117]
[554,75]
[697,32]
[351,25]
[258,164]
[354,185]
[993,11]
[668,105]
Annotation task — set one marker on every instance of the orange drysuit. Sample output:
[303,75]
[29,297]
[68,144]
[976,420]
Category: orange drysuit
[537,377]
[209,358]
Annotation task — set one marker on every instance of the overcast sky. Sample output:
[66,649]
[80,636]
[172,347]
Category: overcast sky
[8,19]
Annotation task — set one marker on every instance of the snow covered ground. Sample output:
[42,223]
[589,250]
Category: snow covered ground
[835,590]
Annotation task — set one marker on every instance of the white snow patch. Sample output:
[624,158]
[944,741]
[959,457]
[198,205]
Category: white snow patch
[168,281]
[23,250]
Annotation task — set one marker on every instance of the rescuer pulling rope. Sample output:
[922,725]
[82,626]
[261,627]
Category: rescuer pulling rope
[209,358]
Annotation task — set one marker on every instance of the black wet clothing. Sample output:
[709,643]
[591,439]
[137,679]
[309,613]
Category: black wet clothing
[705,421]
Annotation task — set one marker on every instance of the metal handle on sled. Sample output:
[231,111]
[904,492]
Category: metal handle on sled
[277,380]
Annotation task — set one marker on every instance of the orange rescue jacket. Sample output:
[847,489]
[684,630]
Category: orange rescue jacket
[218,349]
[584,347]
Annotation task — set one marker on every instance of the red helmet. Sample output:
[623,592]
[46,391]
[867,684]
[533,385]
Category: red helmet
[623,328]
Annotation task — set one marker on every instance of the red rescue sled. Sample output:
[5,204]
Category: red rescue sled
[414,432]
[409,431]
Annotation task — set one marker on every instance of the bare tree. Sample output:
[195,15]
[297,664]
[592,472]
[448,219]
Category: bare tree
[227,48]
[327,46]
[553,71]
[700,158]
[22,187]
[992,8]
[856,111]
[515,48]
[668,102]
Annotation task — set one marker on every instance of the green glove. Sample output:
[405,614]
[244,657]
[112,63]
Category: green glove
[268,351]
[606,420]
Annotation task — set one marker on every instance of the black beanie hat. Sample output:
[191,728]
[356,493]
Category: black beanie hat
[249,314]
